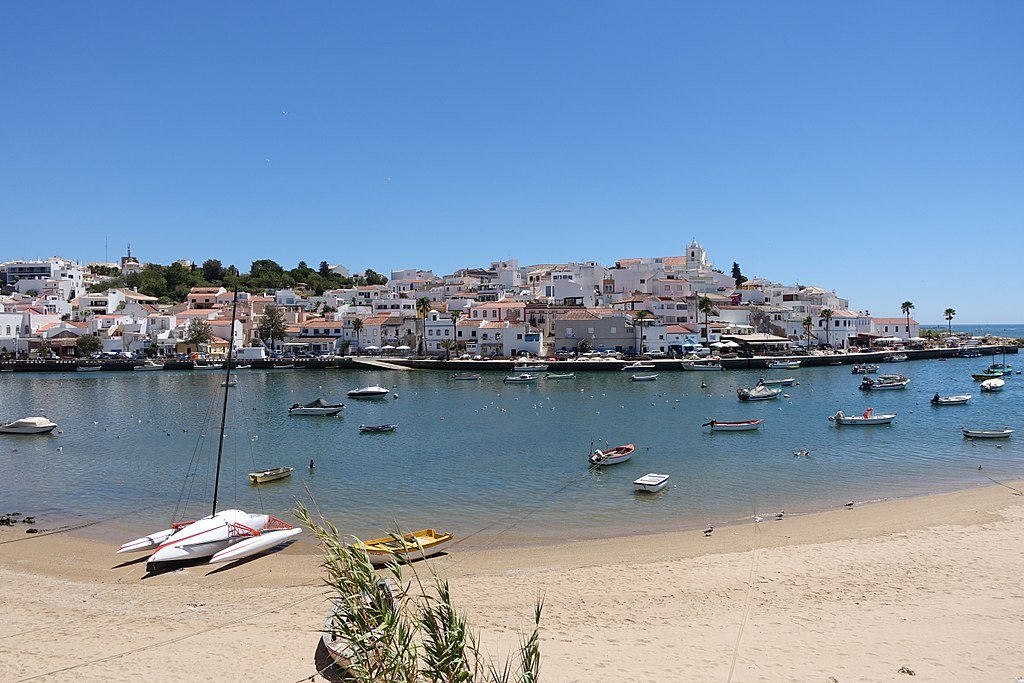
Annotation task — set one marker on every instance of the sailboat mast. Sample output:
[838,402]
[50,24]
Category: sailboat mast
[224,409]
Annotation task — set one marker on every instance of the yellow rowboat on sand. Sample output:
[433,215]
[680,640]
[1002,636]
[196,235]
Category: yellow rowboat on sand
[414,546]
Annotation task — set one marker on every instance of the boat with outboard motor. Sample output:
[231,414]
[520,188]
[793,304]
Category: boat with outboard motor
[733,425]
[373,391]
[884,383]
[958,400]
[758,393]
[317,407]
[29,425]
[613,456]
[868,417]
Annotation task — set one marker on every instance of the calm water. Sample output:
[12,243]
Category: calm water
[507,460]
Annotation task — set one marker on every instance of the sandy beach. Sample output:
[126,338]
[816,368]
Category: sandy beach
[934,584]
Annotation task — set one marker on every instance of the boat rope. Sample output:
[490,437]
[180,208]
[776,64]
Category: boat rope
[193,463]
[75,527]
[1016,492]
[755,560]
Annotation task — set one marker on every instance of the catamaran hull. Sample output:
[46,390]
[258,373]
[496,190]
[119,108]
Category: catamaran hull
[146,542]
[254,545]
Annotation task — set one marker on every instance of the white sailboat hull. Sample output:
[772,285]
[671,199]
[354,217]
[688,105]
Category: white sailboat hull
[254,545]
[146,542]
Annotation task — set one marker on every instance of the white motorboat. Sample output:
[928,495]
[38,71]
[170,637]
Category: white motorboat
[639,366]
[950,400]
[317,407]
[758,393]
[783,364]
[884,383]
[701,367]
[523,377]
[148,365]
[374,391]
[733,425]
[994,384]
[29,425]
[529,368]
[987,433]
[784,382]
[642,378]
[614,456]
[88,368]
[867,418]
[864,369]
[651,483]
[898,358]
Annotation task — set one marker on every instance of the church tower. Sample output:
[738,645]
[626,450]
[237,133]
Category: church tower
[696,257]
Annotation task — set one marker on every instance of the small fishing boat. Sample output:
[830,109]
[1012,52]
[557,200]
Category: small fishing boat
[864,369]
[783,364]
[758,393]
[639,366]
[701,367]
[994,384]
[733,425]
[651,483]
[950,400]
[784,382]
[987,433]
[29,425]
[897,358]
[969,353]
[148,366]
[207,366]
[289,366]
[377,429]
[272,474]
[317,407]
[523,377]
[465,376]
[867,418]
[987,374]
[529,368]
[614,456]
[407,548]
[642,378]
[373,391]
[242,367]
[88,368]
[560,375]
[884,382]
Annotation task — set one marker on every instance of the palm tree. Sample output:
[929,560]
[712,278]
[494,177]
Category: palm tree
[357,327]
[423,308]
[640,317]
[808,324]
[906,307]
[826,315]
[705,306]
[448,345]
[455,325]
[949,313]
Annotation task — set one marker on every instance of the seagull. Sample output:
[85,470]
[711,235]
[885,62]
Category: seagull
[758,519]
[802,453]
[850,504]
[780,515]
[707,532]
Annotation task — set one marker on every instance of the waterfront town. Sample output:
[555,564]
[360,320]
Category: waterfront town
[664,306]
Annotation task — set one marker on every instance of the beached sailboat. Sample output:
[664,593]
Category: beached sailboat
[613,456]
[417,545]
[223,536]
[733,425]
[867,418]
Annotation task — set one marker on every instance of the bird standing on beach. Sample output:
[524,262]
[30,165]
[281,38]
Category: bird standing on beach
[707,532]
[850,504]
[780,515]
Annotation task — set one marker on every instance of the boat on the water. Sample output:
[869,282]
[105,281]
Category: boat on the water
[407,548]
[784,382]
[988,374]
[884,382]
[733,425]
[864,369]
[651,483]
[29,425]
[994,384]
[148,365]
[232,383]
[639,366]
[958,400]
[529,368]
[642,378]
[373,391]
[783,364]
[377,429]
[317,407]
[987,433]
[523,377]
[271,474]
[462,376]
[560,375]
[868,417]
[701,367]
[88,368]
[614,456]
[758,393]
[897,358]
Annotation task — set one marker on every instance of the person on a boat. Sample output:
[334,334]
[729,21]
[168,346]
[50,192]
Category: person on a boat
[867,413]
[935,398]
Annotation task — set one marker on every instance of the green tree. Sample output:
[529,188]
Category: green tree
[737,275]
[705,306]
[949,313]
[86,345]
[325,269]
[423,309]
[357,327]
[271,326]
[448,345]
[826,315]
[213,271]
[808,324]
[907,307]
[374,278]
[455,315]
[197,332]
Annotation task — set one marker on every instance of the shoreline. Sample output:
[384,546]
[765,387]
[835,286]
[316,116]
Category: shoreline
[931,583]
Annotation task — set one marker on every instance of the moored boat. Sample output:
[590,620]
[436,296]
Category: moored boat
[529,368]
[884,382]
[868,417]
[614,456]
[988,374]
[317,407]
[377,429]
[463,376]
[373,391]
[523,377]
[560,375]
[864,369]
[987,433]
[88,368]
[701,367]
[783,364]
[148,365]
[950,400]
[733,425]
[758,393]
[994,384]
[638,365]
[651,483]
[784,382]
[271,474]
[407,548]
[642,378]
[897,358]
[29,425]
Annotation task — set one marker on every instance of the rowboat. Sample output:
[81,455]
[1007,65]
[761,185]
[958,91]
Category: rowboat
[465,376]
[415,546]
[614,456]
[638,366]
[783,364]
[377,429]
[373,391]
[338,635]
[701,367]
[642,378]
[884,382]
[785,382]
[524,377]
[867,418]
[758,393]
[987,433]
[88,368]
[950,400]
[288,366]
[733,426]
[560,375]
[529,368]
[994,384]
[988,374]
[272,474]
[651,483]
[864,369]
[29,425]
[317,407]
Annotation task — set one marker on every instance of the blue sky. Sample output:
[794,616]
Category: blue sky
[874,148]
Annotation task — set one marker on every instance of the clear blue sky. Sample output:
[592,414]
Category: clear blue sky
[871,147]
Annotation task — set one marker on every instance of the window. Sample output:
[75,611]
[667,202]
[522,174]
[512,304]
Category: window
[446,333]
[519,336]
[590,330]
[614,329]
